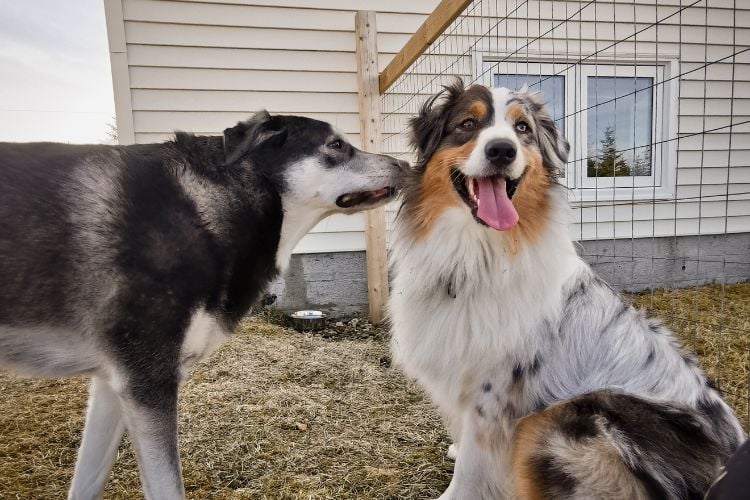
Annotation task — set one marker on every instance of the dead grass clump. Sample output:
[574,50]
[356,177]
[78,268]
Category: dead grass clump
[279,414]
[273,414]
[714,322]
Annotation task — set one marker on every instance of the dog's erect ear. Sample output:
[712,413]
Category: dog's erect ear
[428,127]
[552,145]
[259,130]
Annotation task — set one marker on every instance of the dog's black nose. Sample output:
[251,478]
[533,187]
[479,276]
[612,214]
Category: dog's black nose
[500,152]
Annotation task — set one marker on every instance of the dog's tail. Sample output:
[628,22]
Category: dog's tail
[612,445]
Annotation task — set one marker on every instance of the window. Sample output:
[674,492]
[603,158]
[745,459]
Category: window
[615,116]
[618,140]
[552,86]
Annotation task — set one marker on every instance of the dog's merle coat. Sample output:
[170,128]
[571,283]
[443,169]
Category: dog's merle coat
[129,263]
[551,385]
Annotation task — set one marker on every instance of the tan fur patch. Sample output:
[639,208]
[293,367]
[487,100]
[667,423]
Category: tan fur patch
[593,462]
[436,191]
[526,442]
[531,202]
[478,109]
[516,112]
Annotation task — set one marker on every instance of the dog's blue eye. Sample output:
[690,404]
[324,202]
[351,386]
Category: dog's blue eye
[335,145]
[522,127]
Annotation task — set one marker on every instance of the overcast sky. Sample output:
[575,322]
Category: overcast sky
[55,81]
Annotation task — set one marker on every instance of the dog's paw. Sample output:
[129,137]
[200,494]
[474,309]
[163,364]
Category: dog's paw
[452,451]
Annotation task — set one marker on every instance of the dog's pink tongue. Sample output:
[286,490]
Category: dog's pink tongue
[495,208]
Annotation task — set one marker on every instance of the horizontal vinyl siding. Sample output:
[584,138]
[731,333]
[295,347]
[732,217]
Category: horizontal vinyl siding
[201,66]
[397,6]
[711,185]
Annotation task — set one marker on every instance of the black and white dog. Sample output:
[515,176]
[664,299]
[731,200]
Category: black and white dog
[129,263]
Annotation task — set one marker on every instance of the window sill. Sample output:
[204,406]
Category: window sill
[577,196]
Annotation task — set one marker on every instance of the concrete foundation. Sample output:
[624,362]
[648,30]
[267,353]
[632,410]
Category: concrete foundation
[337,282]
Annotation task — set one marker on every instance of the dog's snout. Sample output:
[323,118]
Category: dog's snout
[500,152]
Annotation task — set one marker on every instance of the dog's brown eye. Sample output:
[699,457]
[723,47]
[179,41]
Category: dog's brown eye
[335,145]
[469,124]
[522,127]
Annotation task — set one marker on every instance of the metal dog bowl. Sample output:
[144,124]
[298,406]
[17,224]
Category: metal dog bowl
[307,321]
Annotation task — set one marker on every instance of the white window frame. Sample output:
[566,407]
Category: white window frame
[576,68]
[657,126]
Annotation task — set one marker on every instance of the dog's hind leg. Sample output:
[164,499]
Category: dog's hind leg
[101,437]
[610,445]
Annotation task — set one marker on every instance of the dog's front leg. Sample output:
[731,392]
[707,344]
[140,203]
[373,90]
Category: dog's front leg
[151,422]
[101,436]
[480,473]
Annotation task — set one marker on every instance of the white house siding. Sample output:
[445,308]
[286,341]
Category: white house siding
[203,65]
[706,171]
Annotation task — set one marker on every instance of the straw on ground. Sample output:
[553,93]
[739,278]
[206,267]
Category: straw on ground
[279,414]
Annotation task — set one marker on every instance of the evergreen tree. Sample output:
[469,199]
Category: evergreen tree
[642,164]
[609,162]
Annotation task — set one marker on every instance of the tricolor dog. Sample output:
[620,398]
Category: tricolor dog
[130,263]
[551,385]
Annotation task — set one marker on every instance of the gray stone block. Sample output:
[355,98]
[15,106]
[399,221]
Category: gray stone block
[337,282]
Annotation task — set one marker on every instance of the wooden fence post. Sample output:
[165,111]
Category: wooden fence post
[369,125]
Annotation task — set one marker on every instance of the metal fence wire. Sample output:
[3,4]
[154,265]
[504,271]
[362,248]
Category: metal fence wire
[654,98]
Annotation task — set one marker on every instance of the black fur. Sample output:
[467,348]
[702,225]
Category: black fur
[551,478]
[668,447]
[107,252]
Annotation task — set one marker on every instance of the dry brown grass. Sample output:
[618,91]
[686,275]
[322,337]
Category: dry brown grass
[714,322]
[368,433]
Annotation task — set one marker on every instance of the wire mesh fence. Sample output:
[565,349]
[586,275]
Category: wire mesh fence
[654,98]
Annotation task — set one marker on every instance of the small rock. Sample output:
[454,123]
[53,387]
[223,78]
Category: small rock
[354,322]
[301,427]
[339,324]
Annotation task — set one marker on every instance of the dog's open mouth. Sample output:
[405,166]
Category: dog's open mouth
[489,199]
[350,200]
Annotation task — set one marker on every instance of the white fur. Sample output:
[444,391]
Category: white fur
[465,313]
[476,165]
[312,191]
[101,437]
[203,337]
[312,194]
[47,351]
[299,218]
[443,342]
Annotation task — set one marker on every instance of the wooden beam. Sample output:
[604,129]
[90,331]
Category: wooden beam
[369,124]
[444,14]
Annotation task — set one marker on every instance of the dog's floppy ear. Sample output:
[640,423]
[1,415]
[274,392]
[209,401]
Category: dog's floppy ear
[552,144]
[428,127]
[259,130]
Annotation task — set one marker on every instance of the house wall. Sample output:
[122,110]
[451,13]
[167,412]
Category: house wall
[711,183]
[202,65]
[337,282]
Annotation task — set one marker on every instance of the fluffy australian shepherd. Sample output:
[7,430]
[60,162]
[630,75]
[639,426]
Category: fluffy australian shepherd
[551,385]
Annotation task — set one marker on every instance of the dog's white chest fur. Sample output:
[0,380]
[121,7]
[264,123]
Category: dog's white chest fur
[203,336]
[462,308]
